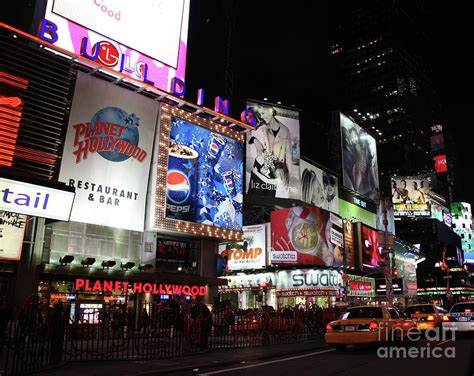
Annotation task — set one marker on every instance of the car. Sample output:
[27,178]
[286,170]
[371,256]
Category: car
[460,317]
[427,316]
[370,324]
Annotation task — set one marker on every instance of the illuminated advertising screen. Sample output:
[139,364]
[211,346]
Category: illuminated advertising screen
[462,225]
[204,180]
[306,235]
[453,256]
[107,153]
[171,252]
[411,196]
[152,33]
[381,286]
[319,188]
[272,164]
[196,179]
[12,230]
[349,245]
[360,286]
[355,213]
[369,248]
[250,254]
[359,159]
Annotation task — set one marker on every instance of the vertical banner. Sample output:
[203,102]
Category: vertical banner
[12,230]
[107,153]
[273,153]
[349,256]
[319,188]
[359,159]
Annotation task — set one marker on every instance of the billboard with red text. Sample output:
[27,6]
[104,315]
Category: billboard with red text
[107,153]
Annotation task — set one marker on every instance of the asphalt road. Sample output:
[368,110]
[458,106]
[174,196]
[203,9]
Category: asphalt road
[457,359]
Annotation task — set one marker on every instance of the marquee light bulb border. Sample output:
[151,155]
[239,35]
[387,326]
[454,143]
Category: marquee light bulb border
[173,225]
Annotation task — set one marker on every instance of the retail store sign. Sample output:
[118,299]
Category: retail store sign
[308,278]
[155,288]
[36,200]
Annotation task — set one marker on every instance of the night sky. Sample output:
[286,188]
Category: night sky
[284,57]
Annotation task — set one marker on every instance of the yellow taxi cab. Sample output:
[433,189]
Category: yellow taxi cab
[368,325]
[427,316]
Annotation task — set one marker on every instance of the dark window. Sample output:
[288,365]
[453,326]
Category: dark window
[419,309]
[462,307]
[363,313]
[393,313]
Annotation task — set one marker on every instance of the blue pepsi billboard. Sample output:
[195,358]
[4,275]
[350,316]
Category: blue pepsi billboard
[204,177]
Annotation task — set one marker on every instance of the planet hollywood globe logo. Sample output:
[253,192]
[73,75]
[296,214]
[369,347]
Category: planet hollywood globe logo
[112,133]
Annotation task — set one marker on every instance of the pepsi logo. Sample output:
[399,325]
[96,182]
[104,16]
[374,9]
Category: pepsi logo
[177,187]
[213,149]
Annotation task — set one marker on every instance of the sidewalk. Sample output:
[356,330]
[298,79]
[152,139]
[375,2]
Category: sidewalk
[184,363]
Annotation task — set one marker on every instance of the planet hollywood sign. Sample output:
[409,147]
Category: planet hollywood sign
[108,56]
[155,288]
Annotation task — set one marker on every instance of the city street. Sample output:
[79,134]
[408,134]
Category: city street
[360,360]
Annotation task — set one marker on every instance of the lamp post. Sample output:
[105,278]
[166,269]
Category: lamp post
[387,251]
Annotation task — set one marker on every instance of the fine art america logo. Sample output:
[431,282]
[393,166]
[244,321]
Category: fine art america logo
[112,133]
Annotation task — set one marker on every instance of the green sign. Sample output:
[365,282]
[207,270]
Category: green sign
[355,213]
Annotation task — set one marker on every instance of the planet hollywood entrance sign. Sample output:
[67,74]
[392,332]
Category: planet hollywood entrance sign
[155,288]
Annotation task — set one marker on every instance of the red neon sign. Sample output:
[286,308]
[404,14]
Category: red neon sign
[139,287]
[360,286]
[440,164]
[11,110]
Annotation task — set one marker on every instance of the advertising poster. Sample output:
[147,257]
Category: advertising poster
[272,167]
[359,159]
[411,196]
[107,153]
[349,246]
[144,41]
[204,178]
[306,235]
[171,252]
[369,249]
[12,230]
[319,188]
[250,254]
[360,286]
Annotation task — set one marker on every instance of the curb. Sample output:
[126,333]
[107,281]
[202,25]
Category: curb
[227,362]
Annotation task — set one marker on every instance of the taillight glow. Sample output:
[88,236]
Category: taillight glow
[328,327]
[445,318]
[373,325]
[467,310]
[430,318]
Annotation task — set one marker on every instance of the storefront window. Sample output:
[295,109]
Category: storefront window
[85,240]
